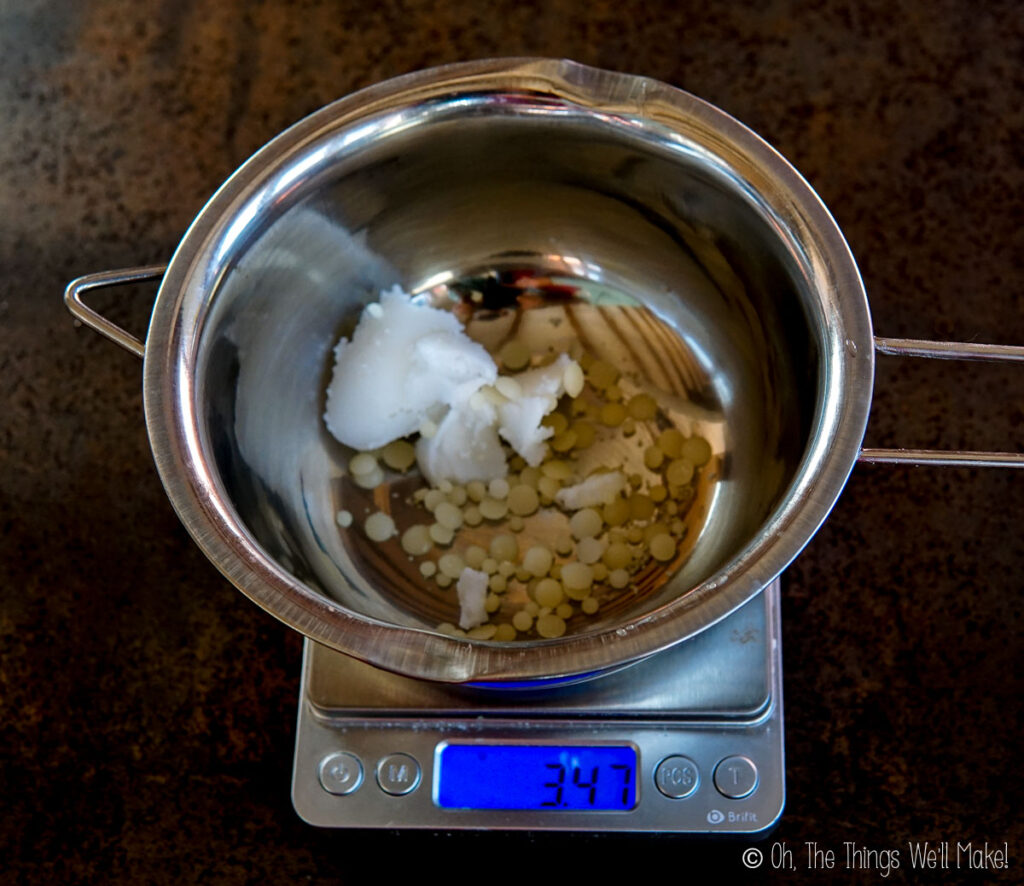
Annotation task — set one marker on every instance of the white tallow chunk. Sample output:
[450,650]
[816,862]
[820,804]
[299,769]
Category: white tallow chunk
[597,489]
[472,590]
[519,420]
[411,368]
[404,361]
[464,448]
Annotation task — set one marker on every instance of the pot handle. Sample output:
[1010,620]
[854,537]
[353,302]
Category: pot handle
[95,320]
[946,350]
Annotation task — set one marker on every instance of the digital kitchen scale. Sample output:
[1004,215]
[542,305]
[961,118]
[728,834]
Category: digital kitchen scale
[689,741]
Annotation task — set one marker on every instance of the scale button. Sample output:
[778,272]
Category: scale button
[341,773]
[677,777]
[736,777]
[398,774]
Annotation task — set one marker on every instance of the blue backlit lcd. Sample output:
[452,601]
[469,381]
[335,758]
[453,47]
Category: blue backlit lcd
[538,777]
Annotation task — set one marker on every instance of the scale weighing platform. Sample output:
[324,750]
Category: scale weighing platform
[687,741]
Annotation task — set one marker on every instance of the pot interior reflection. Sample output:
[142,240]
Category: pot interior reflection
[640,221]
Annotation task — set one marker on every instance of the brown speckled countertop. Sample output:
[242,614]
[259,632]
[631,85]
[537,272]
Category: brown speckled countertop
[147,709]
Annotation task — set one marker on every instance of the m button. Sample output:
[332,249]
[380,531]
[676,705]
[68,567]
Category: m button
[398,774]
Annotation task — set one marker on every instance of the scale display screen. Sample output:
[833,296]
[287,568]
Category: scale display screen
[538,777]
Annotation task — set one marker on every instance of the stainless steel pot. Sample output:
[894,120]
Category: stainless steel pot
[569,170]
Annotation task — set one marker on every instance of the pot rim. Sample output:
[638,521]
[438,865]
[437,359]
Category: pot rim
[172,349]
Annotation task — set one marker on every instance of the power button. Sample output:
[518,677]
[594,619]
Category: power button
[340,773]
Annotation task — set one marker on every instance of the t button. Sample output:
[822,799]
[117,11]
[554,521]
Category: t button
[398,774]
[736,777]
